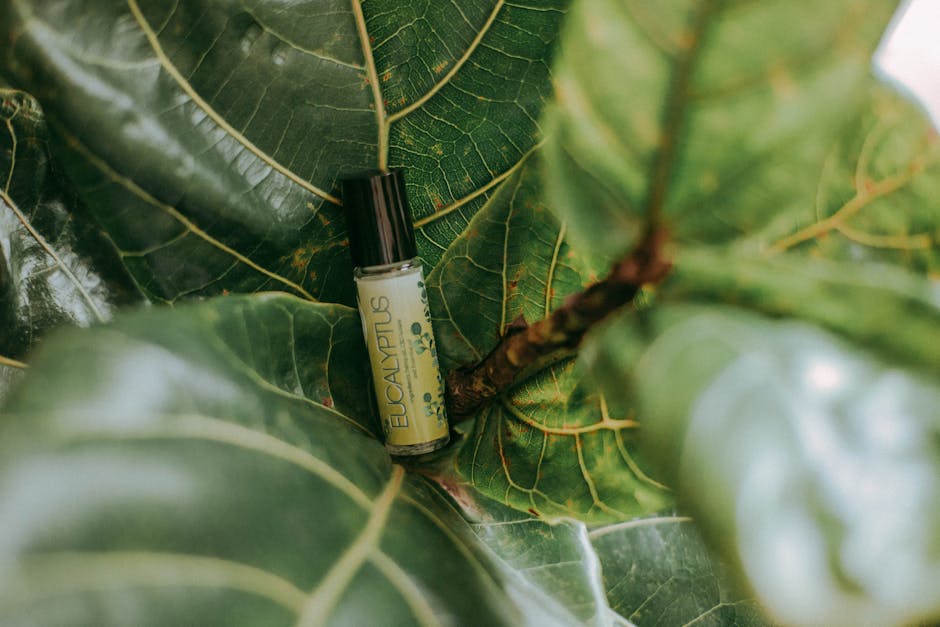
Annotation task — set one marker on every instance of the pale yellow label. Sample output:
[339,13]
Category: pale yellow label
[408,385]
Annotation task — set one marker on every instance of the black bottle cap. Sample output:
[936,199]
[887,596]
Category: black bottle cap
[378,219]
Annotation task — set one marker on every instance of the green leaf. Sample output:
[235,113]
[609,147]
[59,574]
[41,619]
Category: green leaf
[555,559]
[208,138]
[887,309]
[794,188]
[658,571]
[811,461]
[646,571]
[211,464]
[56,268]
[859,250]
[873,198]
[718,116]
[550,446]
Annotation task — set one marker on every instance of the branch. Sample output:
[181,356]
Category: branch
[471,388]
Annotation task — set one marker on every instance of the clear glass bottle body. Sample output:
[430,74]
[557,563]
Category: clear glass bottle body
[409,388]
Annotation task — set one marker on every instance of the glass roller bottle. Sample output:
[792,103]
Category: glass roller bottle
[396,320]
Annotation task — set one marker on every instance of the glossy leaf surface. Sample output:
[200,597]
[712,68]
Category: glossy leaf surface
[557,560]
[183,469]
[658,571]
[56,268]
[207,140]
[213,464]
[219,131]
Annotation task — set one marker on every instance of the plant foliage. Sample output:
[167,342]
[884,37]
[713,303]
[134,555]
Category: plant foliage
[218,461]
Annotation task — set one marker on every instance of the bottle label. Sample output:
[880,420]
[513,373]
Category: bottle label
[409,388]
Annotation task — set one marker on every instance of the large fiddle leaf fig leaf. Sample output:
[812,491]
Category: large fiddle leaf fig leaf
[807,458]
[55,267]
[208,138]
[552,445]
[717,116]
[557,558]
[795,188]
[215,464]
[813,462]
[647,571]
[658,571]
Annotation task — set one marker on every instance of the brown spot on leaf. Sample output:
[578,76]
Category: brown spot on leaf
[327,402]
[301,257]
[535,512]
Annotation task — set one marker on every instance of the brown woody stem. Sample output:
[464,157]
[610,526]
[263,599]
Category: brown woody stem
[471,388]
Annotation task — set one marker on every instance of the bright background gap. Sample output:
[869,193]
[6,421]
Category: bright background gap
[909,54]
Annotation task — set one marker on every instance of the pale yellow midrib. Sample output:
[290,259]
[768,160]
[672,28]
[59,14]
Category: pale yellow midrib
[450,74]
[443,211]
[608,424]
[49,250]
[12,363]
[642,522]
[409,591]
[212,113]
[551,267]
[54,573]
[200,427]
[372,72]
[505,264]
[322,600]
[173,212]
[9,123]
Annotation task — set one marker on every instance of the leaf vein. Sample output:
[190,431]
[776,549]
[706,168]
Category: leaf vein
[173,212]
[407,588]
[322,600]
[187,87]
[456,68]
[200,427]
[51,252]
[55,573]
